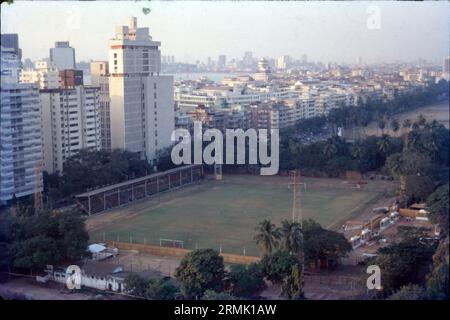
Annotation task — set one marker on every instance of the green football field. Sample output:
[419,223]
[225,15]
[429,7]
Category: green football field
[224,214]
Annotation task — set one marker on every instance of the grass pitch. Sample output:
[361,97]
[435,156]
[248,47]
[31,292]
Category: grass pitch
[224,214]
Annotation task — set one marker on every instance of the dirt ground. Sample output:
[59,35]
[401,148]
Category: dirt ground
[28,288]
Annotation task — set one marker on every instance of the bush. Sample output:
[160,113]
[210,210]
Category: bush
[246,281]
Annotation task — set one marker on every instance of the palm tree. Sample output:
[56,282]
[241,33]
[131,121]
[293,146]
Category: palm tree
[357,150]
[421,120]
[292,236]
[434,124]
[329,148]
[382,125]
[267,236]
[406,124]
[384,144]
[395,125]
[413,140]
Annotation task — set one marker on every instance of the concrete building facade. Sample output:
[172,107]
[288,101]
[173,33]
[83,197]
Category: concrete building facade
[20,131]
[100,78]
[142,108]
[63,55]
[70,122]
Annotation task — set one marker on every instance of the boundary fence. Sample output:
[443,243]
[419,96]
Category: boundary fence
[178,252]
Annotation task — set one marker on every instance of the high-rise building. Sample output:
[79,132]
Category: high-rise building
[305,58]
[63,55]
[142,108]
[100,78]
[221,61]
[70,78]
[45,74]
[359,61]
[446,65]
[11,41]
[11,66]
[70,122]
[20,131]
[248,59]
[283,62]
[264,73]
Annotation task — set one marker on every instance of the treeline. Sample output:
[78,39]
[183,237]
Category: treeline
[416,267]
[381,112]
[90,169]
[335,155]
[29,241]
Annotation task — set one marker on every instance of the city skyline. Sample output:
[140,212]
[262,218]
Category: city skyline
[376,32]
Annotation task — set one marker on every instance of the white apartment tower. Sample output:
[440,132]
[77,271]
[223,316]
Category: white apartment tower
[20,132]
[100,78]
[142,108]
[70,122]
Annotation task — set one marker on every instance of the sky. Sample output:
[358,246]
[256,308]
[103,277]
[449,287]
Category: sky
[194,30]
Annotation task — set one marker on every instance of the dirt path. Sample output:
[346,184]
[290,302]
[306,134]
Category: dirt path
[29,289]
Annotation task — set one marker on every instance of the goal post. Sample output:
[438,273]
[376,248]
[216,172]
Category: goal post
[171,243]
[218,171]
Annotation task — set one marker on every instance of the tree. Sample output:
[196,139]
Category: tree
[267,236]
[421,120]
[384,144]
[437,280]
[213,295]
[357,150]
[277,266]
[200,270]
[418,188]
[409,163]
[323,245]
[150,288]
[406,124]
[293,284]
[409,292]
[162,289]
[246,281]
[438,206]
[329,148]
[91,168]
[47,238]
[292,237]
[136,285]
[404,263]
[395,125]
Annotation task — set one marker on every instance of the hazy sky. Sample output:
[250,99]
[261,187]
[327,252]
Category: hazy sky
[325,31]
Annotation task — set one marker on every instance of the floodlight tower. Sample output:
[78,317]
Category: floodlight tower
[296,184]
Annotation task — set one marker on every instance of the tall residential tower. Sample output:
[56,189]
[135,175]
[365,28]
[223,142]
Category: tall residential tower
[20,129]
[142,108]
